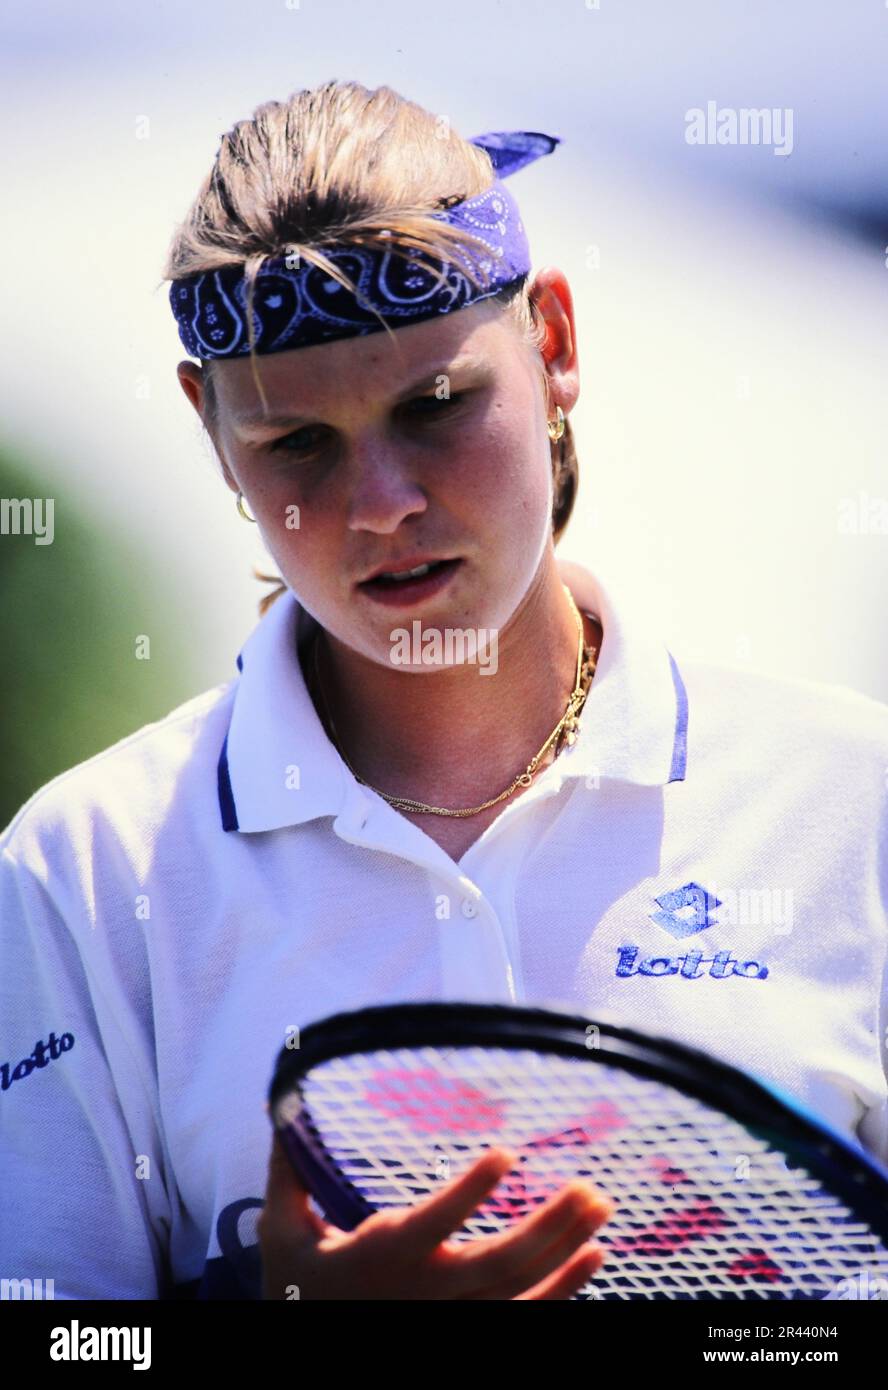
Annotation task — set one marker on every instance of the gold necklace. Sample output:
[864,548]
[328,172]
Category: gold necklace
[587,661]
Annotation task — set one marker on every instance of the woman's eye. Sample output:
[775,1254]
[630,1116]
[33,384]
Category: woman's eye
[434,402]
[305,440]
[288,447]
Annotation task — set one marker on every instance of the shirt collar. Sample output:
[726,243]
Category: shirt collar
[278,768]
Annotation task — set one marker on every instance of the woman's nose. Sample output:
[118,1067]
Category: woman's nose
[383,489]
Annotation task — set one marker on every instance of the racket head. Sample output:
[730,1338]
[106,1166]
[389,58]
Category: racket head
[369,1094]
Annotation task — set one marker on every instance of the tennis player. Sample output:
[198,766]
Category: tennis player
[446,766]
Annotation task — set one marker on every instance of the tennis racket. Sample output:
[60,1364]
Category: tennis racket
[724,1187]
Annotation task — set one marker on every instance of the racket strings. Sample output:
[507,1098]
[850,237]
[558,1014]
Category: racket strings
[704,1206]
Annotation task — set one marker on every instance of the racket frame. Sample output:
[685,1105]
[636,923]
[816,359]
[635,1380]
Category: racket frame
[858,1179]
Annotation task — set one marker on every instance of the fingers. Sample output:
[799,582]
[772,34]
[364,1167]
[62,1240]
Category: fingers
[504,1265]
[529,1255]
[400,1254]
[435,1218]
[577,1202]
[570,1279]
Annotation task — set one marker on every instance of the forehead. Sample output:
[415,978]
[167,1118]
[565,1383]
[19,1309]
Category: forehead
[374,365]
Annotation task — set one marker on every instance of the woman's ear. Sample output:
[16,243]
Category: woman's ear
[193,383]
[551,294]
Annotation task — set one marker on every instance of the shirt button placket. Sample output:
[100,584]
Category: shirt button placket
[475,956]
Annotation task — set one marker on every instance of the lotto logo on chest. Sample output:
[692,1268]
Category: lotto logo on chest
[685,912]
[691,965]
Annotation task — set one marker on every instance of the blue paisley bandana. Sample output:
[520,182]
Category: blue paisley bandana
[300,306]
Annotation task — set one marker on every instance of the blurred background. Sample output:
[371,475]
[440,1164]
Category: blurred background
[730,303]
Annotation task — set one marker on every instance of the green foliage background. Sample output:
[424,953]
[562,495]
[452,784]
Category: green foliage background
[70,616]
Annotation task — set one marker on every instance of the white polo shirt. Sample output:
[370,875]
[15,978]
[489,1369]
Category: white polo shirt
[709,861]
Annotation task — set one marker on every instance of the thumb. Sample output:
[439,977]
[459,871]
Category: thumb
[285,1190]
[286,1196]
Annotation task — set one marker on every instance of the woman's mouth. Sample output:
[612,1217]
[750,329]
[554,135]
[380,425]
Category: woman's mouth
[401,593]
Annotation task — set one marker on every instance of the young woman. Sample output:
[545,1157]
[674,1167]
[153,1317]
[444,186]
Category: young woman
[484,781]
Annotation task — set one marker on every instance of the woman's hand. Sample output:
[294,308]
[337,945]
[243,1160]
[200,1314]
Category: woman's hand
[405,1253]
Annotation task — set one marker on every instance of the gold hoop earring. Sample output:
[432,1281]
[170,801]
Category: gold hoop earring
[242,509]
[556,426]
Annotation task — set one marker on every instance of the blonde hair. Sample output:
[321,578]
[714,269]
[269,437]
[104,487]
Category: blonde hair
[340,163]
